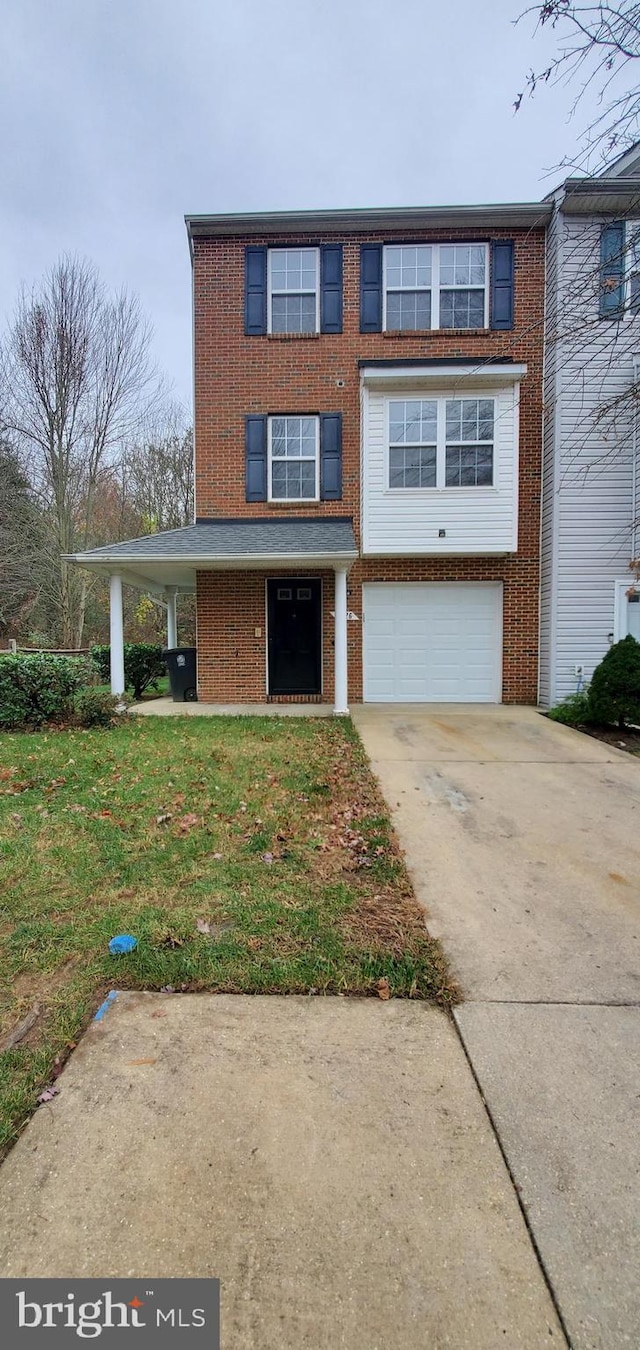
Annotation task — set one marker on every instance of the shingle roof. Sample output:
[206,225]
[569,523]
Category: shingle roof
[231,538]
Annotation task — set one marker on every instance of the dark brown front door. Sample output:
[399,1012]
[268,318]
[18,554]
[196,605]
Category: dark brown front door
[295,635]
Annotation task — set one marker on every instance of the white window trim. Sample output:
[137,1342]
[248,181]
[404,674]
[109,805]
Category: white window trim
[629,227]
[620,615]
[295,248]
[284,416]
[434,288]
[441,446]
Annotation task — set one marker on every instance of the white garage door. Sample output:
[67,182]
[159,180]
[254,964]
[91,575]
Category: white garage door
[434,643]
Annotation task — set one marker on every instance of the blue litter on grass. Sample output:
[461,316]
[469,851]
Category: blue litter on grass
[123,943]
[104,1007]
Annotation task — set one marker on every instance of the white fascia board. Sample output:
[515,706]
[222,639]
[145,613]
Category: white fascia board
[474,372]
[228,562]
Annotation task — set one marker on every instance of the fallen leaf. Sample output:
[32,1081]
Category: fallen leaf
[383,988]
[142,1061]
[185,823]
[48,1094]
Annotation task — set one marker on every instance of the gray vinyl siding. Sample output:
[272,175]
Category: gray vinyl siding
[588,489]
[547,592]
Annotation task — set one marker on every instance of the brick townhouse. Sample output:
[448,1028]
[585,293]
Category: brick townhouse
[368,405]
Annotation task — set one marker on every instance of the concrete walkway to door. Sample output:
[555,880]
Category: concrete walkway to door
[523,841]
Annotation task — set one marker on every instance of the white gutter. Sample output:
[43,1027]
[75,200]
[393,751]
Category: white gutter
[487,216]
[207,561]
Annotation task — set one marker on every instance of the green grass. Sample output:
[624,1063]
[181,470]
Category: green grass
[159,689]
[269,830]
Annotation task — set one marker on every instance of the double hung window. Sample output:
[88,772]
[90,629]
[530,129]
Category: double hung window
[435,286]
[441,443]
[293,458]
[293,290]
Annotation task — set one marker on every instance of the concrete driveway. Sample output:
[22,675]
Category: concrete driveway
[329,1159]
[524,845]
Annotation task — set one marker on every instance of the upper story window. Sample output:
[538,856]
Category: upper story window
[293,459]
[435,286]
[443,442]
[620,269]
[413,437]
[469,442]
[293,290]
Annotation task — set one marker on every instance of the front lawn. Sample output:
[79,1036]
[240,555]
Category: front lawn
[248,855]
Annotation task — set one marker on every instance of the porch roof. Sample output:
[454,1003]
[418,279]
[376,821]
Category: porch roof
[173,557]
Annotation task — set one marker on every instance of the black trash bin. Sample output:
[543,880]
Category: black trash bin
[181,665]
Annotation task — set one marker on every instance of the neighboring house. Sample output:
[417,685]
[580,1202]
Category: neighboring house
[590,506]
[368,438]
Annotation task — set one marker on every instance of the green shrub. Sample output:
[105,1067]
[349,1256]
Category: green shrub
[37,688]
[143,665]
[614,692]
[96,708]
[574,711]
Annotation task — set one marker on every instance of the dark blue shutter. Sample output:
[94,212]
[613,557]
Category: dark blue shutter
[330,457]
[256,459]
[255,291]
[612,270]
[502,284]
[371,288]
[331,288]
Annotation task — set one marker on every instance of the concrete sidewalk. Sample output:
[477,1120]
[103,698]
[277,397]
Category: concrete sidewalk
[165,707]
[523,841]
[329,1159]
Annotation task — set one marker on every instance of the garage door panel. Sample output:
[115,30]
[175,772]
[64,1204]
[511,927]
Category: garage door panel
[432,642]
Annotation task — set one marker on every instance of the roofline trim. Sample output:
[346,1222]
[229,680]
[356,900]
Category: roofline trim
[366,219]
[199,560]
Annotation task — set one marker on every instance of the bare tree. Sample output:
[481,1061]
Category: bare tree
[598,47]
[77,378]
[158,471]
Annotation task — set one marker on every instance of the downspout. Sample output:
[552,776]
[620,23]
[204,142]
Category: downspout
[634,473]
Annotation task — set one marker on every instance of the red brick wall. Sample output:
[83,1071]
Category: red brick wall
[235,375]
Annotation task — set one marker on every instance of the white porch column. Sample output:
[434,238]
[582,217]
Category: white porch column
[116,635]
[340,701]
[172,618]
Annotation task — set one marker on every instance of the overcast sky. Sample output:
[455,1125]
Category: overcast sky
[118,117]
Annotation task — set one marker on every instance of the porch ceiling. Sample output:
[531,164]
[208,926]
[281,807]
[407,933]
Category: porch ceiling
[172,558]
